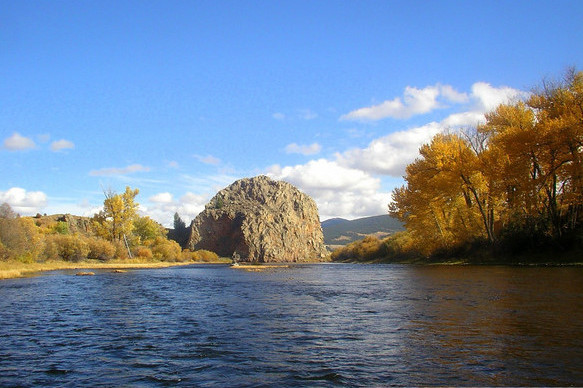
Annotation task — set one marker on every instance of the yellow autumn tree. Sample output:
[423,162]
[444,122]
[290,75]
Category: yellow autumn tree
[445,199]
[116,221]
[518,174]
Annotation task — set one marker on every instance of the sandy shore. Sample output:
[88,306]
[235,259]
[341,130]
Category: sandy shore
[15,269]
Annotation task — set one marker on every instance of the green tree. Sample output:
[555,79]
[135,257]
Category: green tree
[146,229]
[179,225]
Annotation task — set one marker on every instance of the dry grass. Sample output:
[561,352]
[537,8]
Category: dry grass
[15,269]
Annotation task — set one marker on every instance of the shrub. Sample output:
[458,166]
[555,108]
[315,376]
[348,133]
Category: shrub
[67,247]
[20,239]
[121,252]
[204,255]
[166,250]
[61,228]
[200,255]
[144,253]
[100,249]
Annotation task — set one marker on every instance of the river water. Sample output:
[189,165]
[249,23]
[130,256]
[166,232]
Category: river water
[306,325]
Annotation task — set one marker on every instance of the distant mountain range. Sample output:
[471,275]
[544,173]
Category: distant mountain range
[338,231]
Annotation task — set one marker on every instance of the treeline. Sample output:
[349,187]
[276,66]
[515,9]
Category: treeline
[511,186]
[117,232]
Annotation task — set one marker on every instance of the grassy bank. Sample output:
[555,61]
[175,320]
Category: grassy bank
[15,269]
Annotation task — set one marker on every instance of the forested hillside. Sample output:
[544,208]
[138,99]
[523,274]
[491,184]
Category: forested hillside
[338,231]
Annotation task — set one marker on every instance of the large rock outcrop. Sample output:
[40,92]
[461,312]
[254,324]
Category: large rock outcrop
[262,220]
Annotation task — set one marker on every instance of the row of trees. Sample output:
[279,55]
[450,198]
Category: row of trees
[515,181]
[511,185]
[116,232]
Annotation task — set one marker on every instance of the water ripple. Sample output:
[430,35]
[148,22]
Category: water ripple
[307,325]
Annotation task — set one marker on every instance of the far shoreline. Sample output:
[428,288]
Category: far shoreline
[16,269]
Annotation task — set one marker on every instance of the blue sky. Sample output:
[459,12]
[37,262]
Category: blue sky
[181,98]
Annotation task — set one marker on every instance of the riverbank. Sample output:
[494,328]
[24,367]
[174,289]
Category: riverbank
[16,269]
[542,258]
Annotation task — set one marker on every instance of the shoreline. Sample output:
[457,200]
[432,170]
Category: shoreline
[15,269]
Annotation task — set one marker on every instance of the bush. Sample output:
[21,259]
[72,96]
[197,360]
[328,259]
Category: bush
[397,247]
[121,251]
[66,247]
[100,249]
[144,253]
[166,250]
[61,228]
[200,255]
[364,250]
[20,239]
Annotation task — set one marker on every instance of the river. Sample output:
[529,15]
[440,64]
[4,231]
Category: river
[304,325]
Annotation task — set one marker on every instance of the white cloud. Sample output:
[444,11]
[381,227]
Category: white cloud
[17,142]
[489,97]
[161,198]
[119,171]
[389,155]
[190,204]
[62,144]
[452,95]
[415,101]
[349,185]
[209,159]
[24,202]
[311,149]
[337,190]
[463,119]
[161,207]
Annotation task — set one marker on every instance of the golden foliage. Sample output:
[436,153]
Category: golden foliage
[201,255]
[521,170]
[166,250]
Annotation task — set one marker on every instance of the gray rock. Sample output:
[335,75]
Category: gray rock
[262,220]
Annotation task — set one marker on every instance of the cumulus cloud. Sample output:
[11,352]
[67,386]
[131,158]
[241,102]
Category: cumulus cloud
[161,207]
[337,190]
[119,170]
[489,97]
[209,159]
[17,142]
[62,144]
[311,149]
[452,95]
[24,202]
[349,185]
[389,155]
[415,101]
[161,198]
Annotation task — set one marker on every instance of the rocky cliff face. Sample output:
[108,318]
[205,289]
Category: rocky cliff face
[262,220]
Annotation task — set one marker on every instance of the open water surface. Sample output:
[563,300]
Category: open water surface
[307,325]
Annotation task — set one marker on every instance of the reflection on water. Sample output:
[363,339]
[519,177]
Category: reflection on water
[316,325]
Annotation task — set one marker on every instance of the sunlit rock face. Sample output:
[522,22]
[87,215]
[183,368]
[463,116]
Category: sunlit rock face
[263,221]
